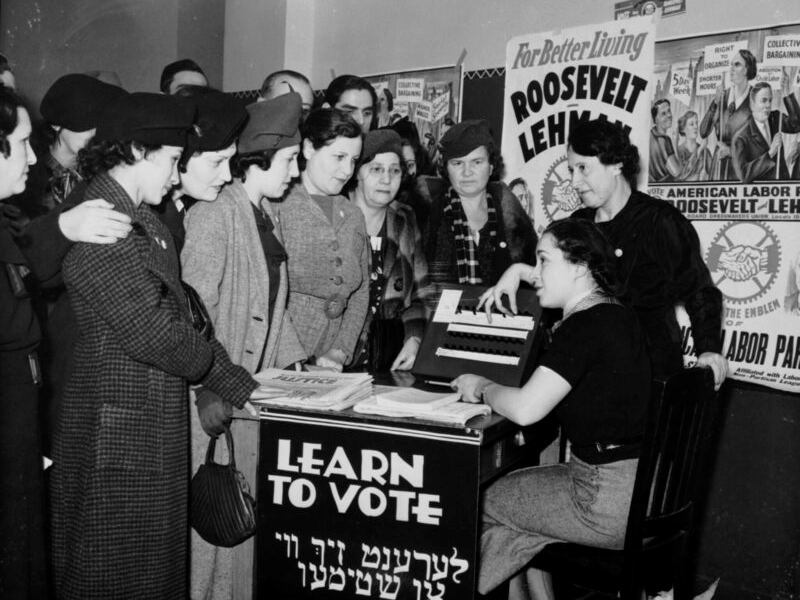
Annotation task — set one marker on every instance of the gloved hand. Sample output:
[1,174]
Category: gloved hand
[214,412]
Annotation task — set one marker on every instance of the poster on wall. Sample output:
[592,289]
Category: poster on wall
[726,153]
[555,79]
[430,98]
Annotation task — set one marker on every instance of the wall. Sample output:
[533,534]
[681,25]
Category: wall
[136,38]
[419,33]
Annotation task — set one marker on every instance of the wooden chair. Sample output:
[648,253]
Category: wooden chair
[681,421]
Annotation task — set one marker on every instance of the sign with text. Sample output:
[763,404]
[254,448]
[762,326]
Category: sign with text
[349,509]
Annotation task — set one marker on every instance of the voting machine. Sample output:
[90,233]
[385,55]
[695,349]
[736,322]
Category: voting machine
[460,339]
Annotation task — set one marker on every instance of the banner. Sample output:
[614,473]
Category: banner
[555,79]
[351,509]
[739,181]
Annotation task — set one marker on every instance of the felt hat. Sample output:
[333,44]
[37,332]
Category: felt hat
[155,119]
[462,138]
[380,141]
[75,101]
[273,124]
[219,119]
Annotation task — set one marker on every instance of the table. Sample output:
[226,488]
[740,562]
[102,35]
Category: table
[354,505]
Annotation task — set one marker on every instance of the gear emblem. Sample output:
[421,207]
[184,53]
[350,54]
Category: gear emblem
[744,259]
[558,197]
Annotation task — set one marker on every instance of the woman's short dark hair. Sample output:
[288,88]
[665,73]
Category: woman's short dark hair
[389,98]
[9,117]
[610,143]
[323,125]
[240,163]
[102,155]
[584,244]
[682,121]
[750,63]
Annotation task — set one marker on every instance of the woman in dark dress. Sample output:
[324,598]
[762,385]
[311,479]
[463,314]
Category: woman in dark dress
[595,376]
[656,249]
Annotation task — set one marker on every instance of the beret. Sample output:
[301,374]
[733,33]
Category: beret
[273,124]
[75,101]
[219,119]
[155,119]
[380,141]
[462,138]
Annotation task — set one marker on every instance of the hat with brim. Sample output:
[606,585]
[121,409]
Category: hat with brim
[462,138]
[219,119]
[155,119]
[75,101]
[273,124]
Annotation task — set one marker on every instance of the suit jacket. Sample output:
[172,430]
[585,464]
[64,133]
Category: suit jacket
[223,260]
[120,479]
[750,150]
[328,269]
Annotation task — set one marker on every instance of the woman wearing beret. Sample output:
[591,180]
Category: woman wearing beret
[476,229]
[326,242]
[398,284]
[234,258]
[120,473]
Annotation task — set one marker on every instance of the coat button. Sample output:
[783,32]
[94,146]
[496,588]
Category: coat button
[334,245]
[337,262]
[338,280]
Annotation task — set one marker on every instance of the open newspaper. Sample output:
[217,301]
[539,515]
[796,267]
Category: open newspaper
[414,403]
[319,390]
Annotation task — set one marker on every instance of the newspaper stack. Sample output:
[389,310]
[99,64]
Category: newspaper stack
[318,390]
[391,401]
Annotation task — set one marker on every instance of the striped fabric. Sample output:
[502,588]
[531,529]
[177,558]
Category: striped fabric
[467,261]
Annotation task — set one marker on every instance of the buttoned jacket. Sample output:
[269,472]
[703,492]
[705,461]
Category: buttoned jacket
[328,263]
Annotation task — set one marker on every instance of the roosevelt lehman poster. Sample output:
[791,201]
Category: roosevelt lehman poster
[734,172]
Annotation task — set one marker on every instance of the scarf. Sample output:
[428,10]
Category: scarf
[467,263]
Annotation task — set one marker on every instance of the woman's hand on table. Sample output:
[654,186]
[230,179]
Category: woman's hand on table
[717,363]
[333,360]
[407,355]
[470,387]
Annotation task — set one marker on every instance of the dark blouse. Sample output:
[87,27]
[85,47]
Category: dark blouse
[660,265]
[274,254]
[601,352]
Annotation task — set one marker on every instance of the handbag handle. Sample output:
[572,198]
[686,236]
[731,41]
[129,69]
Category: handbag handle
[212,444]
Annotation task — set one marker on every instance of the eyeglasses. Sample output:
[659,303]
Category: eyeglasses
[380,171]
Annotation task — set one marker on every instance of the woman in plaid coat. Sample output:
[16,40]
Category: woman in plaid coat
[121,471]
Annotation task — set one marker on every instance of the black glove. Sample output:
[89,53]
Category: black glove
[214,412]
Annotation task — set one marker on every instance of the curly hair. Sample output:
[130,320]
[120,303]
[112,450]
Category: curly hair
[240,163]
[9,117]
[102,155]
[323,125]
[584,244]
[610,143]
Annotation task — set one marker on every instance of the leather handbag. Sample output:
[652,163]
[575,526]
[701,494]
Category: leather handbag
[197,311]
[222,510]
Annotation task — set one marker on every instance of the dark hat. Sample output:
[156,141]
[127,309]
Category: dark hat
[380,141]
[147,118]
[462,138]
[75,101]
[273,124]
[219,119]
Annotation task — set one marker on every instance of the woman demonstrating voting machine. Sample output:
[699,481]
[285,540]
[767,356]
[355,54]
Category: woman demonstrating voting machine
[595,376]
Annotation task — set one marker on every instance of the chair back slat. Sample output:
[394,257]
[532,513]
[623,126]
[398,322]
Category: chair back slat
[675,441]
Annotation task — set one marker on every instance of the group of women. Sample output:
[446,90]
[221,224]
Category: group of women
[302,255]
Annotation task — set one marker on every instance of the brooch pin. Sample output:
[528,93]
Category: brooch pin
[618,252]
